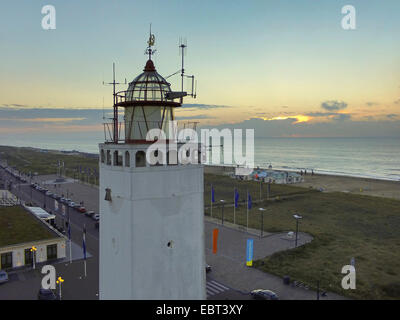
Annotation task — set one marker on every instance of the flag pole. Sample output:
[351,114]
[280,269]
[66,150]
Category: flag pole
[234,205]
[211,198]
[70,241]
[84,249]
[247,227]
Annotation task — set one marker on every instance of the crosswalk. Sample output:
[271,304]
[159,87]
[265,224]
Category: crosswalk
[213,287]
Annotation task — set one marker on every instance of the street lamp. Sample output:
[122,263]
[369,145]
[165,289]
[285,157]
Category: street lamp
[297,217]
[222,217]
[60,281]
[262,220]
[33,250]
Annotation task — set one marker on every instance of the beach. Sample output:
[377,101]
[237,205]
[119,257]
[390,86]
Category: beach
[371,187]
[333,183]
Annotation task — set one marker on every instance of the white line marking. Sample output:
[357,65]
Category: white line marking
[214,291]
[214,287]
[219,284]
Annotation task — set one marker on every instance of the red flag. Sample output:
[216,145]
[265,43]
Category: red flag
[215,239]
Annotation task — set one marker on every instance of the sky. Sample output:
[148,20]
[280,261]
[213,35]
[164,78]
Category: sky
[286,68]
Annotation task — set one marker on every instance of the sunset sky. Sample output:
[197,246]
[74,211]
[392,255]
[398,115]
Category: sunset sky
[273,63]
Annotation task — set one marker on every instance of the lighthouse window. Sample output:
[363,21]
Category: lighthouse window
[127,159]
[102,156]
[140,159]
[108,157]
[117,158]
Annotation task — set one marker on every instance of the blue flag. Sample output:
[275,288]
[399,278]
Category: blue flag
[212,194]
[69,230]
[84,242]
[249,204]
[236,198]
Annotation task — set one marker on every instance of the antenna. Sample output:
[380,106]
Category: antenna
[182,46]
[115,118]
[174,95]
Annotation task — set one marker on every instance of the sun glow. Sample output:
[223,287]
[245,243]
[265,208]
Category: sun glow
[299,118]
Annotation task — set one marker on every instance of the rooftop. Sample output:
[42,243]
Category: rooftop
[19,226]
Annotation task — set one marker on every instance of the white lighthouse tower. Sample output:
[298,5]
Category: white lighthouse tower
[151,214]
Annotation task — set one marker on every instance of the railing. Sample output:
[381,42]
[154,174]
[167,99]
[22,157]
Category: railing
[127,96]
[137,130]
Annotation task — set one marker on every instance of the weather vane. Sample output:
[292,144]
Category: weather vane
[150,42]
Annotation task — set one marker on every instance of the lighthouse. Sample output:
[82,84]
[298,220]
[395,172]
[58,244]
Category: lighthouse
[151,204]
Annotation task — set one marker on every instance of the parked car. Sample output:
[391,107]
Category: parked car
[89,214]
[82,209]
[208,268]
[71,204]
[3,277]
[264,294]
[96,217]
[49,193]
[46,294]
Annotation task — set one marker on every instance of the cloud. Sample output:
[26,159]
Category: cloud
[202,106]
[199,116]
[320,114]
[370,103]
[43,119]
[341,116]
[391,116]
[333,105]
[397,101]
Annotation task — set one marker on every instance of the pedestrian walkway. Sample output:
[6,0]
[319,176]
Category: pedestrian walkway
[213,287]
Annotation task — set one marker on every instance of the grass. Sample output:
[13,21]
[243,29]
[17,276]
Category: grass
[18,226]
[28,160]
[343,225]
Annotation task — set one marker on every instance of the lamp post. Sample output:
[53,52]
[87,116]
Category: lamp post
[262,221]
[33,250]
[60,281]
[222,216]
[297,217]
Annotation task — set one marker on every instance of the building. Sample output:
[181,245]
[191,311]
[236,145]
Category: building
[42,214]
[20,230]
[151,214]
[268,175]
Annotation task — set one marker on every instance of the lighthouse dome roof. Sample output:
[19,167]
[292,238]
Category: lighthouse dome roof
[148,86]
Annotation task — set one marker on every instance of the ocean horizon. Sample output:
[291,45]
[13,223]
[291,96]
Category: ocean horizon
[376,158]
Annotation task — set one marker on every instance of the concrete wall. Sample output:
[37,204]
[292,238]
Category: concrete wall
[152,232]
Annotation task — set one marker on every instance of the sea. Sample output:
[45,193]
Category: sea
[377,158]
